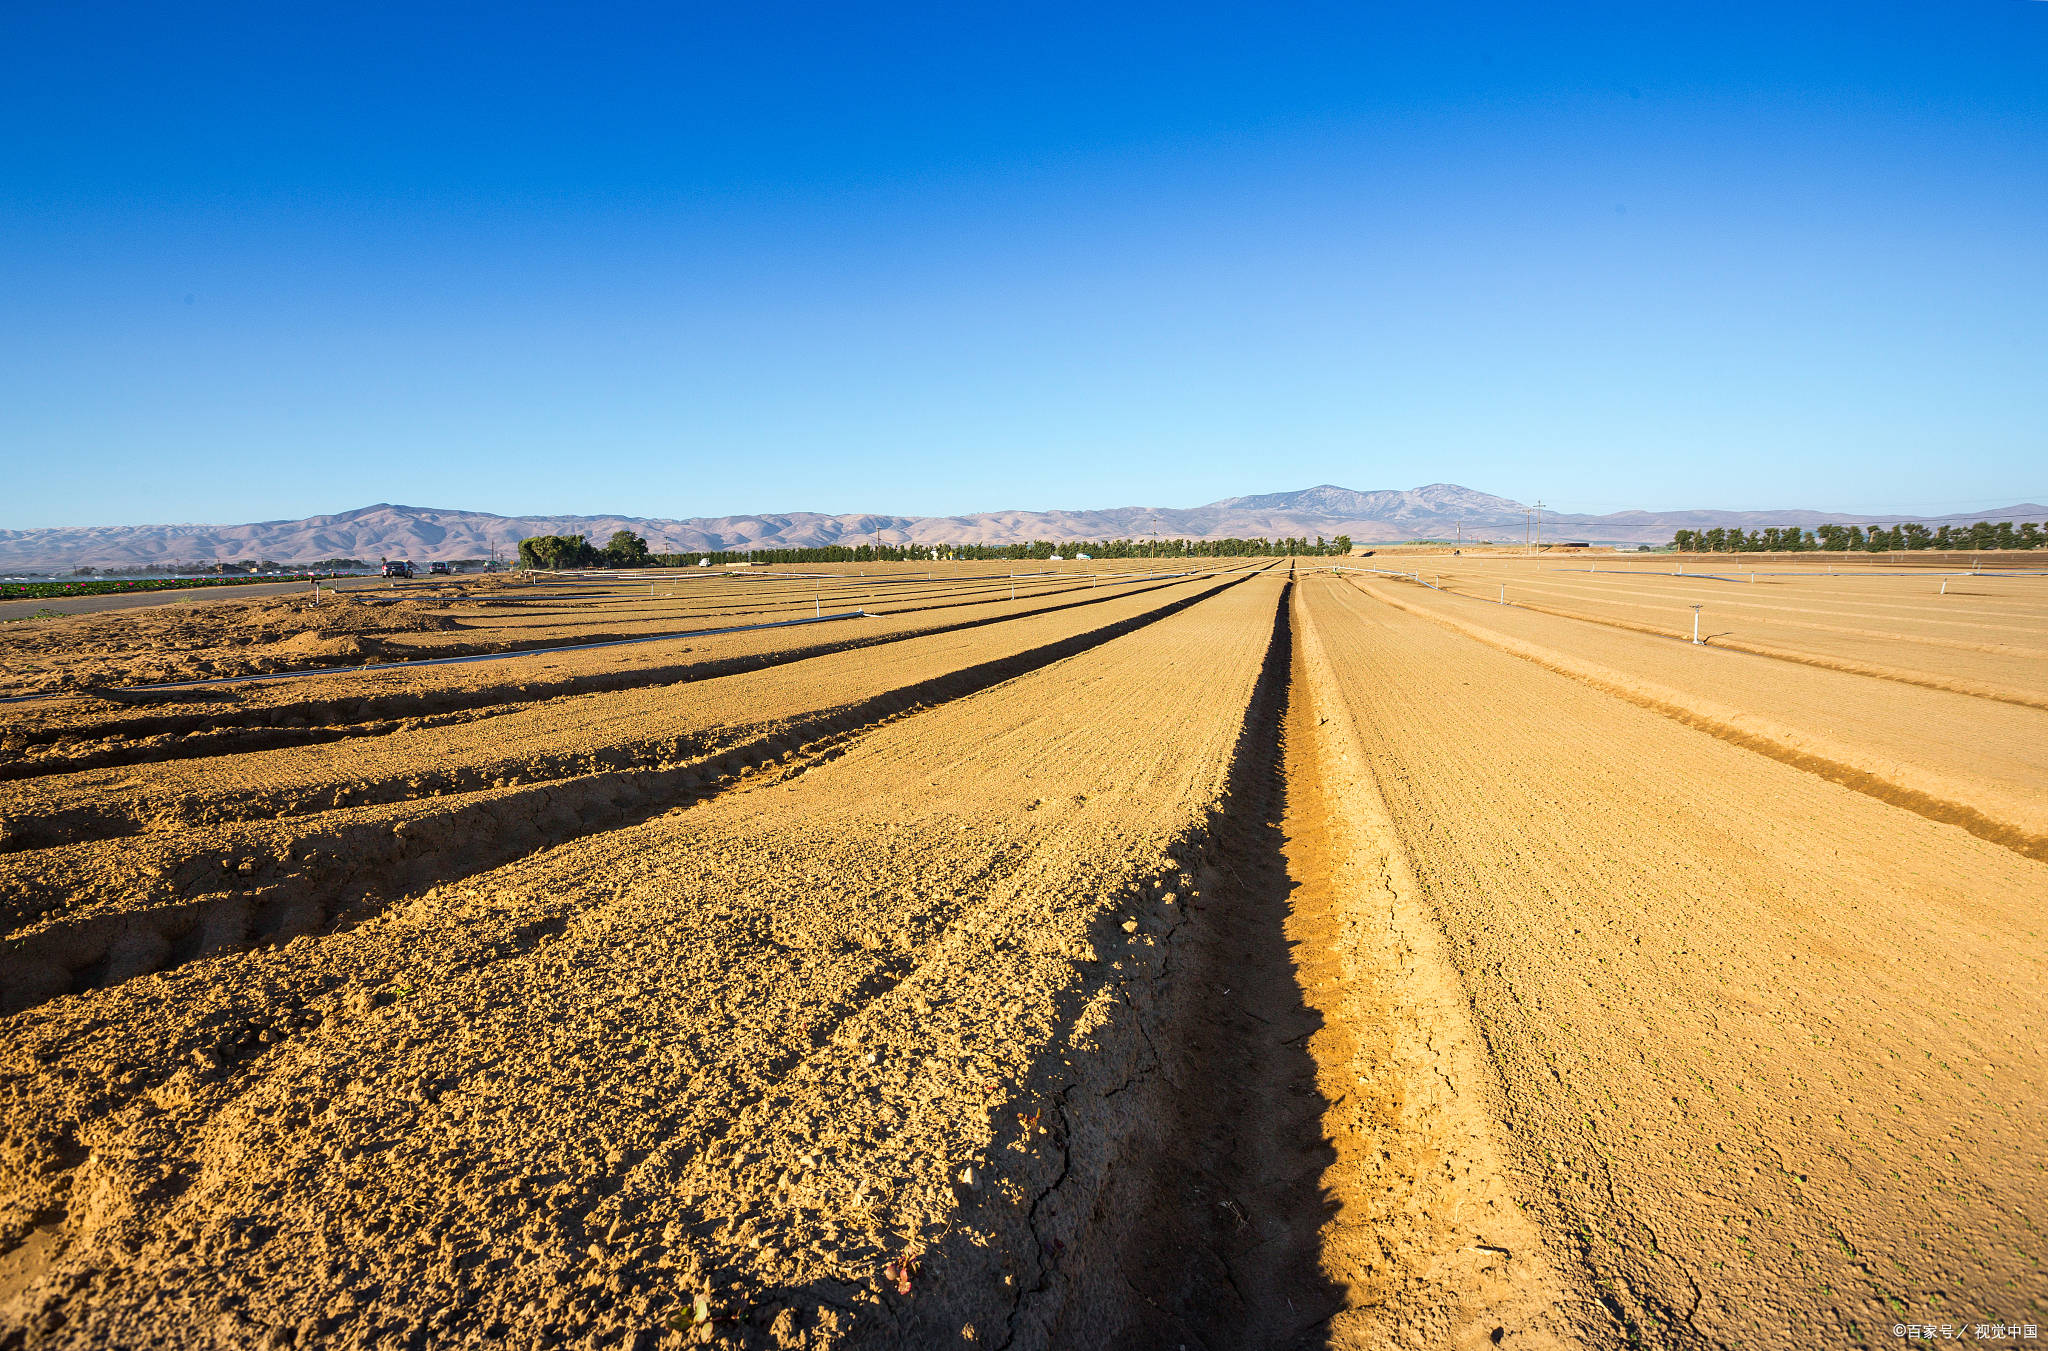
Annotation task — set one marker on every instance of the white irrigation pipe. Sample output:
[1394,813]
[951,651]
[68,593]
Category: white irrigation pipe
[1676,572]
[869,582]
[1753,573]
[1392,572]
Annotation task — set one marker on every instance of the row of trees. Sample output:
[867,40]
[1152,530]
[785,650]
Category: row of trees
[628,550]
[1877,539]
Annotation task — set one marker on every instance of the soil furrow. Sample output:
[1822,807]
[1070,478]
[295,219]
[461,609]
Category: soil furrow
[1702,977]
[1207,1180]
[1425,1240]
[223,723]
[753,1069]
[290,879]
[1250,960]
[657,731]
[1877,778]
[1738,622]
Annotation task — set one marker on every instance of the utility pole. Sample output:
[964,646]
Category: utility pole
[1539,524]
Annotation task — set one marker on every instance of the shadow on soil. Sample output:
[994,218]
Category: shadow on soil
[332,874]
[1188,1204]
[176,733]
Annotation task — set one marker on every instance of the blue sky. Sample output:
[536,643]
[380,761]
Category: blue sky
[268,261]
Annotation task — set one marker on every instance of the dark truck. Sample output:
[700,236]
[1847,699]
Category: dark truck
[398,569]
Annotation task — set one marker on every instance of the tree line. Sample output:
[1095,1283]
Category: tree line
[628,550]
[1855,538]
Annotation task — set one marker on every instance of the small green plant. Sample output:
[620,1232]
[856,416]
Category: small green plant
[696,1316]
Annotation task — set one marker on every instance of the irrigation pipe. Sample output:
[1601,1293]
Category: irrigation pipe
[1390,572]
[1826,576]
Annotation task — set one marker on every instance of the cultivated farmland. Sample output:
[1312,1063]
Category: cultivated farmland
[1264,956]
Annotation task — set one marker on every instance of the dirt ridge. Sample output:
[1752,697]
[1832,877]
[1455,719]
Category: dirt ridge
[1975,688]
[1420,1146]
[355,868]
[1835,764]
[97,822]
[215,731]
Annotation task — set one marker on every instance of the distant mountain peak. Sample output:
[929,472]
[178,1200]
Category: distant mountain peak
[1386,504]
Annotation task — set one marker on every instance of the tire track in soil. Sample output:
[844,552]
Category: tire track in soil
[225,731]
[357,870]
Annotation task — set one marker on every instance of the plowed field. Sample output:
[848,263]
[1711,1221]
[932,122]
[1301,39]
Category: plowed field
[188,637]
[1266,957]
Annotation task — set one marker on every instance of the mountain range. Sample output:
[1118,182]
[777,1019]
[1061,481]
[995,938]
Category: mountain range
[1436,511]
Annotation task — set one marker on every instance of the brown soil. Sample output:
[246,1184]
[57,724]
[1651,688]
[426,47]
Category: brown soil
[1219,961]
[1743,1104]
[195,640]
[189,637]
[1984,636]
[112,877]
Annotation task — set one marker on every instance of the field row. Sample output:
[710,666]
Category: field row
[891,1008]
[406,621]
[111,876]
[84,730]
[1760,1039]
[1981,635]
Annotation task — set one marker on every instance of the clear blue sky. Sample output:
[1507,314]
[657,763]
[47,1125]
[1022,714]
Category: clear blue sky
[270,260]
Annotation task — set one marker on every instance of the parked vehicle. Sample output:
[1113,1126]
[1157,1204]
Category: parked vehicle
[397,569]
